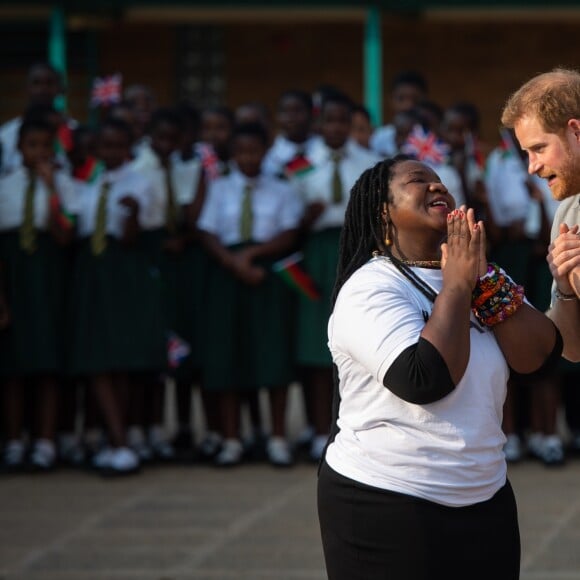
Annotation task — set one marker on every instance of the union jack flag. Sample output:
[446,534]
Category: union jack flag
[177,350]
[425,146]
[106,90]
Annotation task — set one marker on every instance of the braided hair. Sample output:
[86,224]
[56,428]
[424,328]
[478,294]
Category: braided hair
[363,230]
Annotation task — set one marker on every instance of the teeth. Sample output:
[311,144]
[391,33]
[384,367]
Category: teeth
[440,203]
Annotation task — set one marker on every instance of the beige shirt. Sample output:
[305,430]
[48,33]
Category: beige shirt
[568,213]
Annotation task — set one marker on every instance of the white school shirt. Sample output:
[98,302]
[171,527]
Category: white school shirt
[185,178]
[11,157]
[505,180]
[317,185]
[125,182]
[276,207]
[283,151]
[13,198]
[449,451]
[382,141]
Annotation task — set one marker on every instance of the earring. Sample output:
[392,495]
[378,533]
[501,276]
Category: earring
[388,241]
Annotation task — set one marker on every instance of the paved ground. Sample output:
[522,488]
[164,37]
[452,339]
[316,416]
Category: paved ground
[250,523]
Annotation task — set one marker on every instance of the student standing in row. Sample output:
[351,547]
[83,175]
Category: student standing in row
[114,323]
[249,220]
[32,239]
[338,162]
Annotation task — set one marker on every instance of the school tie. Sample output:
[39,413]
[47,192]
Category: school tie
[337,193]
[171,206]
[27,229]
[247,218]
[99,237]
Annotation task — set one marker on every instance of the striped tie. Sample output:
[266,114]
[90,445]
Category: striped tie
[337,193]
[27,229]
[246,221]
[99,237]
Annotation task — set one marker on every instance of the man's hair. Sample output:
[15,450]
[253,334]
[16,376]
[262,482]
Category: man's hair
[553,98]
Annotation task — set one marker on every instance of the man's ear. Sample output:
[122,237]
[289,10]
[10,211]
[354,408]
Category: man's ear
[574,126]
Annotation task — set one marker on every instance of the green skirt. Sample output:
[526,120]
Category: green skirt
[35,286]
[320,261]
[116,316]
[248,332]
[183,279]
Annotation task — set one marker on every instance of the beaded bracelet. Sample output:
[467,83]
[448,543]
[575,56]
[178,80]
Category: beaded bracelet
[495,297]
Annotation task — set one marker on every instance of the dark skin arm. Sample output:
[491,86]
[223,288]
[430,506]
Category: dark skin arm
[448,326]
[131,229]
[240,268]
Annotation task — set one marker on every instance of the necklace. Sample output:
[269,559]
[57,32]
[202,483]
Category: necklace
[432,264]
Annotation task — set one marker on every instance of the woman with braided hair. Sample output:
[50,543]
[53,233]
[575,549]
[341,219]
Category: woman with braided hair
[423,335]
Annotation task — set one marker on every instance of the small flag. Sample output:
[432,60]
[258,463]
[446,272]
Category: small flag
[473,150]
[209,160]
[106,90]
[425,146]
[177,350]
[64,139]
[292,273]
[66,221]
[89,170]
[298,167]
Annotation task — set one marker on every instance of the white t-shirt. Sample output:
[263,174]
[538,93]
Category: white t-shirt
[449,451]
[13,198]
[276,207]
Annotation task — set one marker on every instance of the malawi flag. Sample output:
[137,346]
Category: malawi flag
[65,220]
[291,272]
[89,170]
[64,141]
[298,167]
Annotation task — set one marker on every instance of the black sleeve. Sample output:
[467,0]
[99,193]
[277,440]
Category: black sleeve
[419,375]
[549,364]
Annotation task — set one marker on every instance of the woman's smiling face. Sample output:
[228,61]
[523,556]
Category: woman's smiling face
[417,198]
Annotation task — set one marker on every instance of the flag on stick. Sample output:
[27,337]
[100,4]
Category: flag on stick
[89,170]
[65,219]
[425,146]
[298,167]
[292,273]
[177,350]
[106,90]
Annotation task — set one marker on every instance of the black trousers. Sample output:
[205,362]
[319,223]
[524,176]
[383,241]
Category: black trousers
[373,534]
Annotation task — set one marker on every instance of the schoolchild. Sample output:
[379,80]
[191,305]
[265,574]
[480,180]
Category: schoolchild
[36,207]
[248,221]
[115,316]
[168,241]
[295,139]
[338,162]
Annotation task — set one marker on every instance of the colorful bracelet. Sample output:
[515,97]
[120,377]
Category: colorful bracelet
[496,296]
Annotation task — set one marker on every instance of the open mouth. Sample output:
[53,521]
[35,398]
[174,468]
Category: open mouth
[439,203]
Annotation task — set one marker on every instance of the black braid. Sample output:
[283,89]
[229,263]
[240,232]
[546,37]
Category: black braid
[364,230]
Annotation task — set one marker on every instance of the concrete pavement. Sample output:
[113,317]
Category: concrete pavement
[249,523]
